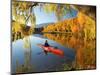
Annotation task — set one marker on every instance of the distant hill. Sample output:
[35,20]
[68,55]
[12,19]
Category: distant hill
[42,25]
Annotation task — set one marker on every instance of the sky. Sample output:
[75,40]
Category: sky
[44,17]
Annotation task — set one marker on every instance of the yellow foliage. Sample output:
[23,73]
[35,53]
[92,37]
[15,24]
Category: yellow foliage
[50,7]
[16,27]
[85,50]
[80,24]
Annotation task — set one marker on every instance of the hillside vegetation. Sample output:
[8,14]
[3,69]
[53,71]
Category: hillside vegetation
[82,25]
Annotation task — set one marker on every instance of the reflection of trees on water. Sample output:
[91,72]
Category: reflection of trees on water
[16,36]
[26,66]
[22,33]
[85,50]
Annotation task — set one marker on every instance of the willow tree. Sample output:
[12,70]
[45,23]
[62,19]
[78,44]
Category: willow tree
[59,9]
[22,13]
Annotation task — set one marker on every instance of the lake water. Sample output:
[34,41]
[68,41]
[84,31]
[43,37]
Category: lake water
[27,53]
[28,57]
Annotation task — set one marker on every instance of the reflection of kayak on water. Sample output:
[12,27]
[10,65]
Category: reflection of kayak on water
[52,50]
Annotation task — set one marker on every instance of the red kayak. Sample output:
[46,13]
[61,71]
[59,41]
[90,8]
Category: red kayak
[52,50]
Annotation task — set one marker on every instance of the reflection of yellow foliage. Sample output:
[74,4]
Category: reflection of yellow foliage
[26,42]
[19,31]
[85,50]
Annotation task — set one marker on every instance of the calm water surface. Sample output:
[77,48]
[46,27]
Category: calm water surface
[26,52]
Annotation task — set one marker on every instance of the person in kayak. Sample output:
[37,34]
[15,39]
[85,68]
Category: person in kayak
[46,44]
